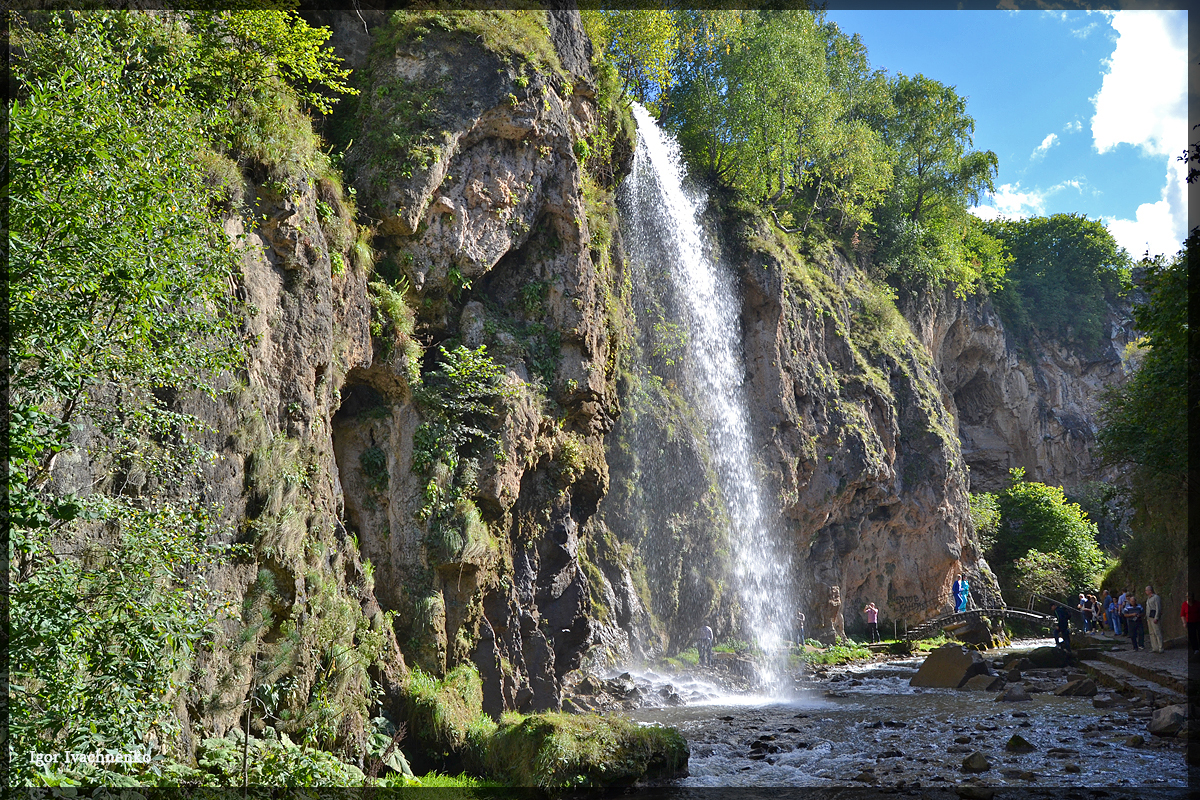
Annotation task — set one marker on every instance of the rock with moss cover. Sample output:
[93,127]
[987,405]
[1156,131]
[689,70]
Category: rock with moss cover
[554,751]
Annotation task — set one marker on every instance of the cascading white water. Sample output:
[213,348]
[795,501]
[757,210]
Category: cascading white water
[667,235]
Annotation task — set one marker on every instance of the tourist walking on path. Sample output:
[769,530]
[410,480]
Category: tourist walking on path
[704,645]
[1134,614]
[1085,608]
[1191,621]
[872,621]
[1106,615]
[1063,628]
[962,593]
[1154,619]
[1117,622]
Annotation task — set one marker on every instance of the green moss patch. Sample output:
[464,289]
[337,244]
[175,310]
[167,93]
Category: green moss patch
[565,751]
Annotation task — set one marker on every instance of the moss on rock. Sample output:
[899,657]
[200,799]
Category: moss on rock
[564,751]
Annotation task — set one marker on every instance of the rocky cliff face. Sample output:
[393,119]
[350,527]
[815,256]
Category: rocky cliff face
[486,158]
[491,235]
[1034,407]
[855,436]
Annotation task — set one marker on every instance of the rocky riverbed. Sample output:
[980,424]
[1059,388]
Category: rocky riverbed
[866,725]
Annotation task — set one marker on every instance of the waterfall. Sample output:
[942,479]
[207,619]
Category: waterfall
[665,239]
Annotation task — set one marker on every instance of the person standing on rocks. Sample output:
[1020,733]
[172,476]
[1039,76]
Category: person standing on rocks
[962,593]
[872,621]
[1191,621]
[1063,626]
[704,646]
[800,623]
[1133,615]
[1154,619]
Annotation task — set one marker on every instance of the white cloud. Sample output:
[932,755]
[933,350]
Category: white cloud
[1158,227]
[1010,201]
[1143,99]
[1143,102]
[1046,144]
[1073,127]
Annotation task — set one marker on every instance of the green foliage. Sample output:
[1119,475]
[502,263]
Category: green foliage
[102,643]
[1145,420]
[392,324]
[554,751]
[1145,426]
[1042,539]
[1065,270]
[374,466]
[1042,573]
[445,716]
[985,514]
[640,43]
[459,399]
[931,133]
[118,302]
[240,50]
[842,652]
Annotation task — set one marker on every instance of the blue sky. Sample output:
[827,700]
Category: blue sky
[1086,111]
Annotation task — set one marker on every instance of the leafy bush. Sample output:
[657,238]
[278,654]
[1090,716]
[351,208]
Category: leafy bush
[459,399]
[1043,540]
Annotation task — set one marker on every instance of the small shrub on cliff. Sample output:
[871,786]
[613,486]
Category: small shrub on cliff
[446,716]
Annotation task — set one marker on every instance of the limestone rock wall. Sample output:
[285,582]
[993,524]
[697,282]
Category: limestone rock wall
[1035,407]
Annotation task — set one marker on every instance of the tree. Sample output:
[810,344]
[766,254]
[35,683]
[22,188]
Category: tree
[931,133]
[1144,421]
[642,44]
[119,300]
[1065,269]
[1042,539]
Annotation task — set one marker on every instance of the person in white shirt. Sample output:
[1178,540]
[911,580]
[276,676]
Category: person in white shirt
[1154,619]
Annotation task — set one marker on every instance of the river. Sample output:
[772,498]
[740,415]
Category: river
[879,731]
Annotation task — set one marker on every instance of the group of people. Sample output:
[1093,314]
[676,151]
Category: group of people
[1126,616]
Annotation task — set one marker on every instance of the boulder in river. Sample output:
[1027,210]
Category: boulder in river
[1135,741]
[976,762]
[1014,694]
[984,683]
[949,667]
[1019,744]
[1107,701]
[1048,657]
[1167,721]
[1079,688]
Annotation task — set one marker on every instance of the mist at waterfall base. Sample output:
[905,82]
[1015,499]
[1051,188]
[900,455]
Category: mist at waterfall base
[682,287]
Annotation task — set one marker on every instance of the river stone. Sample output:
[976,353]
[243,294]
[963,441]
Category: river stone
[962,739]
[1014,694]
[984,683]
[1048,657]
[976,762]
[1018,662]
[1078,688]
[1072,767]
[975,792]
[1135,741]
[1106,701]
[1019,744]
[949,667]
[1013,675]
[1167,721]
